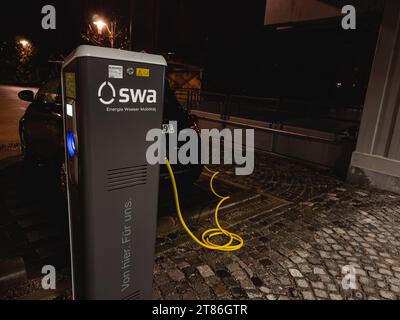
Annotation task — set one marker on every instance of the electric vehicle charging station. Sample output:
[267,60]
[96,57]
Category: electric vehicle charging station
[111,98]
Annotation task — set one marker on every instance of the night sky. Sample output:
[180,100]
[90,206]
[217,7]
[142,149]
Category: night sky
[182,24]
[198,31]
[227,38]
[24,18]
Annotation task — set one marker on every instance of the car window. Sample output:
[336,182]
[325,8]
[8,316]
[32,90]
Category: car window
[50,92]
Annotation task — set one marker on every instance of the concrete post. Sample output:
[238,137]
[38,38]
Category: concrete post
[376,160]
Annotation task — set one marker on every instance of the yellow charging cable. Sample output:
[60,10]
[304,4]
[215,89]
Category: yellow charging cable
[207,235]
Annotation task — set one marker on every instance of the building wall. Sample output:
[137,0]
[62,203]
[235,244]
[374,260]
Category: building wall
[293,11]
[288,11]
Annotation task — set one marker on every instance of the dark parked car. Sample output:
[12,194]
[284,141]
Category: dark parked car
[41,129]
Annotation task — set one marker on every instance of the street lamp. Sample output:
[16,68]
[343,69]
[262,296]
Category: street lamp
[24,50]
[24,43]
[100,24]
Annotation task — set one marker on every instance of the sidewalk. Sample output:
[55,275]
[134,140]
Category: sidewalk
[297,251]
[302,228]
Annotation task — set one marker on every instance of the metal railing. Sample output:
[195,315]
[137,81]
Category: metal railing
[280,118]
[274,131]
[271,110]
[271,114]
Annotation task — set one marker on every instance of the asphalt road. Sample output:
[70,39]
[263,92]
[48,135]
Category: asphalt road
[11,110]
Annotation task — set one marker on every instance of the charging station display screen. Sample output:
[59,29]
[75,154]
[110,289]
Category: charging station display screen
[70,85]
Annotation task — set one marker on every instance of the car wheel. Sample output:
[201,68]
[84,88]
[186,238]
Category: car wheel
[27,155]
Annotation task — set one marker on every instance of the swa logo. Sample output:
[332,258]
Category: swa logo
[100,93]
[125,95]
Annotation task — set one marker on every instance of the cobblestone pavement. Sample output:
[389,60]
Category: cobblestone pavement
[306,249]
[305,233]
[286,179]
